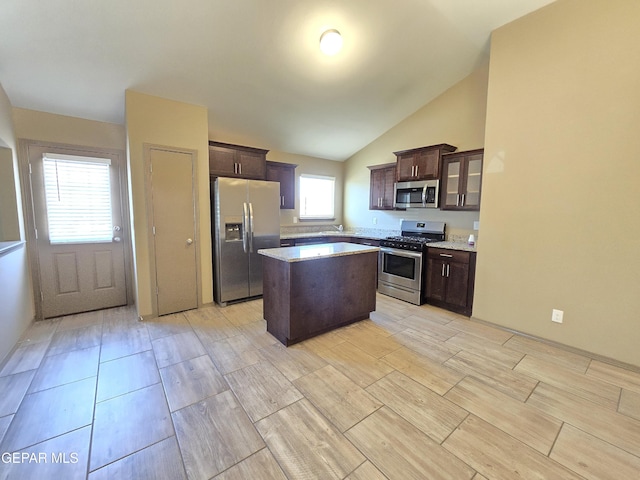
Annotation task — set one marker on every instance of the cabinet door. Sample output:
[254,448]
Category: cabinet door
[389,190]
[252,165]
[427,165]
[461,180]
[451,180]
[376,185]
[381,187]
[436,279]
[405,168]
[222,161]
[285,174]
[472,182]
[457,283]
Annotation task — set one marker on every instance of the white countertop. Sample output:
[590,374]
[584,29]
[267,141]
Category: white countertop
[312,252]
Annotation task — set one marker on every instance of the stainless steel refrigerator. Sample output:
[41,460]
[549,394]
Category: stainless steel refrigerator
[246,218]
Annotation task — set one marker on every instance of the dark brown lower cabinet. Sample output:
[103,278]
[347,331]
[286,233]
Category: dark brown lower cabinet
[449,279]
[305,298]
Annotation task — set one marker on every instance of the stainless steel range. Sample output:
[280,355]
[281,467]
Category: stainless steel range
[402,260]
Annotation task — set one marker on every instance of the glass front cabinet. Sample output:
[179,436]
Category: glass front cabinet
[461,180]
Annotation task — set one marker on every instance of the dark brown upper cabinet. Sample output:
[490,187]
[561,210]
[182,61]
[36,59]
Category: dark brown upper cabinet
[461,180]
[383,179]
[421,163]
[227,160]
[285,173]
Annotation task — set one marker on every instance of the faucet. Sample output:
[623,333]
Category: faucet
[339,228]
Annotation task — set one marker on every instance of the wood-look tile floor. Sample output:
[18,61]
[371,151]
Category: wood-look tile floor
[411,393]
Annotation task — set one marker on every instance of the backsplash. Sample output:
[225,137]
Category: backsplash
[373,232]
[458,236]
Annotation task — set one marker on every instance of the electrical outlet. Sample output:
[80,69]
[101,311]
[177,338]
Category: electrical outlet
[476,225]
[556,315]
[375,220]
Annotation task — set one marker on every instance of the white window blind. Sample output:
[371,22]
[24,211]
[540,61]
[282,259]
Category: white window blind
[317,197]
[78,198]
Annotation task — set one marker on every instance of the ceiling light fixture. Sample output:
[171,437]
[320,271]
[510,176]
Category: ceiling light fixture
[330,42]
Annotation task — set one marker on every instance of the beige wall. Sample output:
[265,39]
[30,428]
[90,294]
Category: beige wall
[456,117]
[49,127]
[16,300]
[157,121]
[314,166]
[560,216]
[9,200]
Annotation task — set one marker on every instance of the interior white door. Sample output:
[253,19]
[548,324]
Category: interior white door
[77,200]
[172,175]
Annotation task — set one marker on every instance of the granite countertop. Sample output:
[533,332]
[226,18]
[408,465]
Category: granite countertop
[465,247]
[330,233]
[311,252]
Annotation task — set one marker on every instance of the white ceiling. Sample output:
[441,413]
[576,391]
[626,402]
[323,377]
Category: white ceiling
[255,64]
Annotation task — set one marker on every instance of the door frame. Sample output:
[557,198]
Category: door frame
[30,221]
[147,148]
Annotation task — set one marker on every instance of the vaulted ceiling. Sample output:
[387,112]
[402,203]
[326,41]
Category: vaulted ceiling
[255,64]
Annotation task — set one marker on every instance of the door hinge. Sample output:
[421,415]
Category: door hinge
[35,230]
[41,297]
[151,167]
[30,172]
[153,229]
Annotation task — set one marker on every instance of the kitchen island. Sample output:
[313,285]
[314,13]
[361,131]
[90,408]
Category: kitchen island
[311,289]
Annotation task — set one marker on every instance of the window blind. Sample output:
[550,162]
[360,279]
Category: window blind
[78,198]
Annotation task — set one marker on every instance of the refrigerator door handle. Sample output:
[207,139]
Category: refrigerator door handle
[250,227]
[245,227]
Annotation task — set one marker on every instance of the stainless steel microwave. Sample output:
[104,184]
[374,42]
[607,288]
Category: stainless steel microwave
[423,194]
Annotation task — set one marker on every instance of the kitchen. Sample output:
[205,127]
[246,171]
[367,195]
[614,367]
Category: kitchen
[540,229]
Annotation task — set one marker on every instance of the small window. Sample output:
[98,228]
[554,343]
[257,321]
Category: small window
[78,198]
[317,197]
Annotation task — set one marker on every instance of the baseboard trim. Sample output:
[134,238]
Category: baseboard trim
[562,346]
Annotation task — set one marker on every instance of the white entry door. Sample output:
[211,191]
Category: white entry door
[173,217]
[80,236]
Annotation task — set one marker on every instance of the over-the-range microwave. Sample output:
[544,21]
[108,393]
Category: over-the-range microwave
[423,194]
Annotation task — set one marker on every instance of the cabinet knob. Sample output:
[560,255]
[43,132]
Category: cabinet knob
[189,241]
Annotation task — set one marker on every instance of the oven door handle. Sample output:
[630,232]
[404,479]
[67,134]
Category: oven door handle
[401,253]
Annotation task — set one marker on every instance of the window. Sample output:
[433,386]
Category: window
[78,198]
[317,197]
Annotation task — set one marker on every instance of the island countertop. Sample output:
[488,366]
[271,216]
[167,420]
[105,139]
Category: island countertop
[311,252]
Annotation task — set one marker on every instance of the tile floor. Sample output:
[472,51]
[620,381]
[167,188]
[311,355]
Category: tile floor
[414,392]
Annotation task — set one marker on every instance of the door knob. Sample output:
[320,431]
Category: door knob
[189,241]
[116,239]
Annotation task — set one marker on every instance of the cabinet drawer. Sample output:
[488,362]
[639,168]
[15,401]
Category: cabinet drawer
[450,255]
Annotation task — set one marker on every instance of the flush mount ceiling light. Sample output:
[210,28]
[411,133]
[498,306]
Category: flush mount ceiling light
[330,42]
